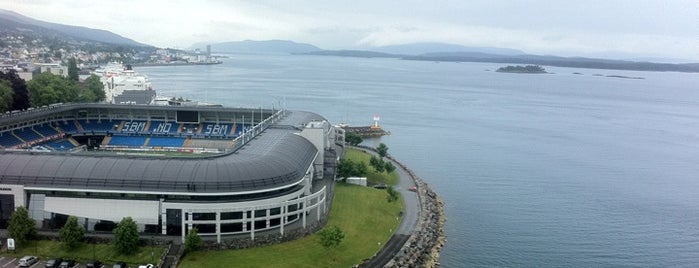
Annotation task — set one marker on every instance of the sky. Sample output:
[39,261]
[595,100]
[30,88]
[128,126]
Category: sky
[605,28]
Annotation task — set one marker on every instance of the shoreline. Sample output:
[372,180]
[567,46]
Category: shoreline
[424,245]
[174,64]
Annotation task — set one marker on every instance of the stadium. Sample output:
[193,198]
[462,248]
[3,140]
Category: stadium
[225,171]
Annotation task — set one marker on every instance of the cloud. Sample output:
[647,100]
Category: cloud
[642,26]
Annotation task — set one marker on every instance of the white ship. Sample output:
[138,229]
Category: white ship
[122,85]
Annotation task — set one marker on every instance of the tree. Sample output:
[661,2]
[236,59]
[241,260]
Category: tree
[48,88]
[192,241]
[19,86]
[126,236]
[353,138]
[345,168]
[94,85]
[389,167]
[6,96]
[73,70]
[392,194]
[71,234]
[330,236]
[377,163]
[382,150]
[21,226]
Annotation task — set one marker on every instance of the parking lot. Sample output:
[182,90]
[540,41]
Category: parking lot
[11,262]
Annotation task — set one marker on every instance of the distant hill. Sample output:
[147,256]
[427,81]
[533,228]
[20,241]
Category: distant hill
[575,62]
[260,47]
[13,19]
[423,48]
[351,53]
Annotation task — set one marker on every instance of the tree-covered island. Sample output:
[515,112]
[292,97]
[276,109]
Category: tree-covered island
[528,69]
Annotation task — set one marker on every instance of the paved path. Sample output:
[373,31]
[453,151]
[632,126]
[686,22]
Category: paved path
[411,213]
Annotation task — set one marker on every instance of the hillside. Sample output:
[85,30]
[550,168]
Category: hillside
[14,22]
[259,47]
[423,48]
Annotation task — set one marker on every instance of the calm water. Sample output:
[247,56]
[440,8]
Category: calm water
[557,170]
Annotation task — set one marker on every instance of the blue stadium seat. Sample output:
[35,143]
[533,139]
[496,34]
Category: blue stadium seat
[166,142]
[7,140]
[134,126]
[217,130]
[68,126]
[60,145]
[27,134]
[162,127]
[46,130]
[134,141]
[99,126]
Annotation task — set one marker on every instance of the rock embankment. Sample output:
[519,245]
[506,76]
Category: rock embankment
[425,243]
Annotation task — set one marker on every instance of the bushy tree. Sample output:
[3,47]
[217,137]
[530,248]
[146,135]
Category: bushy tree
[392,194]
[382,150]
[377,163]
[94,85]
[73,70]
[389,167]
[6,96]
[330,236]
[72,234]
[126,236]
[348,168]
[353,138]
[19,86]
[21,226]
[48,88]
[192,241]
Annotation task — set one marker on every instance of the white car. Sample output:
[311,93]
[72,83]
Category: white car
[146,266]
[27,261]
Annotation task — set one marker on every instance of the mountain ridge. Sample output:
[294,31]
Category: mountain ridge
[259,47]
[78,32]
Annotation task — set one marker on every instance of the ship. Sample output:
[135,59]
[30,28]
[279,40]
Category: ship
[123,85]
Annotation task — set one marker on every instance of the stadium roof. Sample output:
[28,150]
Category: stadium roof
[276,158]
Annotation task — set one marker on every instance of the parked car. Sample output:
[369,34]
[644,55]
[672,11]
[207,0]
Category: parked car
[94,264]
[120,264]
[381,186]
[67,264]
[53,263]
[27,261]
[146,266]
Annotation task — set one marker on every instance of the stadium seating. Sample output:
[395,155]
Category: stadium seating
[98,126]
[60,145]
[134,127]
[67,126]
[134,141]
[8,140]
[216,130]
[27,134]
[166,142]
[46,130]
[162,127]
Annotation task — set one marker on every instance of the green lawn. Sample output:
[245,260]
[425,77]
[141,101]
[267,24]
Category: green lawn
[373,177]
[362,213]
[45,249]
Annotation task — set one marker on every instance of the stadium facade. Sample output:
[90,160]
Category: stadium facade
[222,170]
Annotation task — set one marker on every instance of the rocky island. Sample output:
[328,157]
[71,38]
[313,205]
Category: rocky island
[528,69]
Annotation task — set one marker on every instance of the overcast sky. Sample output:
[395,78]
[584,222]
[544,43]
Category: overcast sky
[648,28]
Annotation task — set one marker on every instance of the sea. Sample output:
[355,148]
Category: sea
[567,169]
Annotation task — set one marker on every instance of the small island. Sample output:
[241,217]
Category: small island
[529,69]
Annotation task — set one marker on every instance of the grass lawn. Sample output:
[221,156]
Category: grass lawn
[45,249]
[373,177]
[362,213]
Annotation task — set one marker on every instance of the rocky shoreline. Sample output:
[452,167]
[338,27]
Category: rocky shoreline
[425,243]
